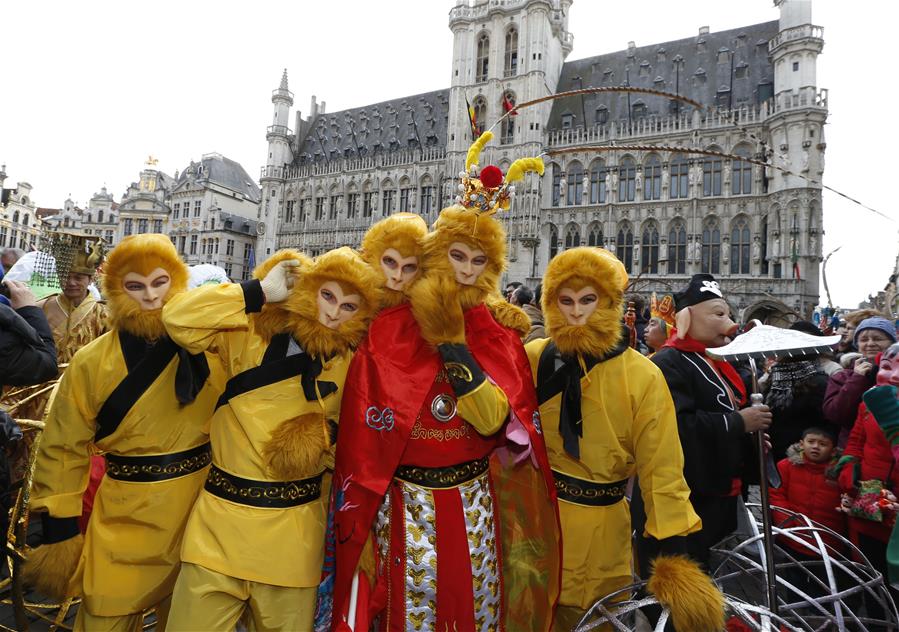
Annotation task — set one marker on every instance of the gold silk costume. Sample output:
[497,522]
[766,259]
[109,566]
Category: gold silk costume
[629,428]
[235,539]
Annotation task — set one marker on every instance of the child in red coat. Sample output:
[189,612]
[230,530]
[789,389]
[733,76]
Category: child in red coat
[806,489]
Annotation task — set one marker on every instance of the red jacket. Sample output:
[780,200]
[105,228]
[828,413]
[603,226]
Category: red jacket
[806,490]
[873,460]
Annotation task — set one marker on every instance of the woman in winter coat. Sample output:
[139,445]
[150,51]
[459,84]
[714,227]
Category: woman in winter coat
[845,389]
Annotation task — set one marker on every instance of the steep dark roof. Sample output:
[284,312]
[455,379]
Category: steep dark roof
[704,74]
[382,127]
[238,224]
[224,172]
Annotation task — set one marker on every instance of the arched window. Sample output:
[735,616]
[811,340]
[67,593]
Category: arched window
[680,177]
[711,247]
[598,171]
[572,236]
[594,236]
[711,176]
[627,172]
[482,58]
[510,67]
[649,250]
[507,127]
[553,241]
[25,220]
[480,114]
[652,178]
[741,176]
[15,217]
[739,247]
[557,184]
[624,247]
[677,249]
[575,190]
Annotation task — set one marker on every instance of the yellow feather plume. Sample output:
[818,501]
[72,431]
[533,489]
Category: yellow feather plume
[474,152]
[523,166]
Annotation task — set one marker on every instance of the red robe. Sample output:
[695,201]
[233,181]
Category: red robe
[387,386]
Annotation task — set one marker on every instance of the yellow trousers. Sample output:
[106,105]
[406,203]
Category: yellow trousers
[87,622]
[206,600]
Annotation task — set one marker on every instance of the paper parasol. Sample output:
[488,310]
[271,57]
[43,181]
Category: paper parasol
[765,341]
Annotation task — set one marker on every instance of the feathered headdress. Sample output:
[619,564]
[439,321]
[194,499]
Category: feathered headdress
[487,191]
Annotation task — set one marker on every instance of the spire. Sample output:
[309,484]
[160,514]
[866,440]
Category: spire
[283,85]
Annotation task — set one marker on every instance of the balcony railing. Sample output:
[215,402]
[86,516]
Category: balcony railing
[278,130]
[795,33]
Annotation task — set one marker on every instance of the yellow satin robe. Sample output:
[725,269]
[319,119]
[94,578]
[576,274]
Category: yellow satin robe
[279,546]
[629,427]
[131,549]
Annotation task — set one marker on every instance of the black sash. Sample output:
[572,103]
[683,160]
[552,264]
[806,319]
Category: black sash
[590,493]
[157,467]
[264,494]
[567,381]
[140,377]
[276,367]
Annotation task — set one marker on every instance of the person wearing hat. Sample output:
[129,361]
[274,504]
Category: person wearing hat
[75,317]
[607,415]
[661,322]
[441,469]
[143,401]
[712,417]
[845,388]
[254,542]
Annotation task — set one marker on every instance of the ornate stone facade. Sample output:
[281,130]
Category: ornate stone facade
[666,213]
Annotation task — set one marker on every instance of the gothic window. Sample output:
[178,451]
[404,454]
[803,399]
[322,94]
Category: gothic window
[319,208]
[711,247]
[557,179]
[626,183]
[624,248]
[368,203]
[652,178]
[680,173]
[575,189]
[572,236]
[25,220]
[352,205]
[553,241]
[100,216]
[15,217]
[301,216]
[598,171]
[388,201]
[711,177]
[739,247]
[406,199]
[510,67]
[333,203]
[594,236]
[288,211]
[677,249]
[649,251]
[426,200]
[741,174]
[482,58]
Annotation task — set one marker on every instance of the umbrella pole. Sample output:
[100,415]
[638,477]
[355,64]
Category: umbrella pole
[768,537]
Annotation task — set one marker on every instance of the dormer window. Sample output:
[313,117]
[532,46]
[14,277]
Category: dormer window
[723,55]
[567,120]
[645,68]
[661,54]
[741,71]
[601,116]
[638,109]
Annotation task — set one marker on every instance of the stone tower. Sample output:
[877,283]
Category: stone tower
[509,52]
[272,180]
[796,128]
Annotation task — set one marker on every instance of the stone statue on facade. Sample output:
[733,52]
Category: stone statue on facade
[756,249]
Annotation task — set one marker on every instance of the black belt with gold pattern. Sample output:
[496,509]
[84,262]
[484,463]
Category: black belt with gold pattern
[264,494]
[157,467]
[583,492]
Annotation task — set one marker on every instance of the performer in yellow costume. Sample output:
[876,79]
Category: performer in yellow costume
[607,415]
[256,536]
[144,402]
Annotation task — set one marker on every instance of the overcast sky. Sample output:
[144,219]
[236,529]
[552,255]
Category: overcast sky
[92,88]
